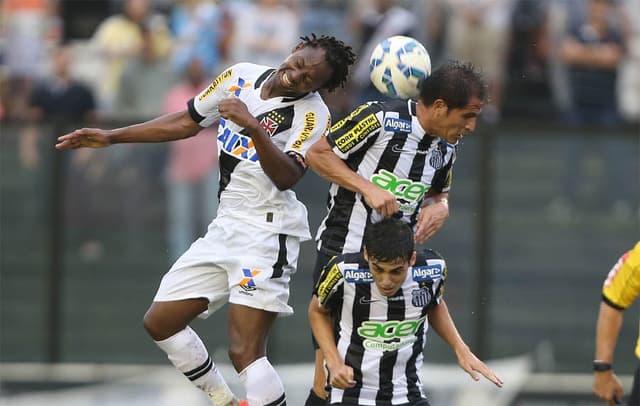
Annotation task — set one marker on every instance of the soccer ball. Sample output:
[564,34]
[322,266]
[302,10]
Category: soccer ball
[397,66]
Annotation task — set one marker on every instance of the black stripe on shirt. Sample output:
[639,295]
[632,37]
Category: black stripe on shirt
[195,116]
[395,311]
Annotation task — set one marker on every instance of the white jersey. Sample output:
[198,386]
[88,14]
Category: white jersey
[294,124]
[382,338]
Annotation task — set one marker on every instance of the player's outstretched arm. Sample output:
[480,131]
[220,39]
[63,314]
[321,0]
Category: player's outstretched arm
[327,164]
[432,216]
[606,385]
[169,127]
[340,375]
[442,323]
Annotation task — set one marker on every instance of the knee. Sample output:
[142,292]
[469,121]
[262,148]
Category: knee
[153,326]
[243,352]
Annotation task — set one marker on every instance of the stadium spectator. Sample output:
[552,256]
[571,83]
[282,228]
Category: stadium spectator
[268,120]
[57,99]
[28,27]
[629,73]
[593,50]
[477,31]
[264,31]
[192,172]
[121,37]
[620,289]
[364,298]
[202,28]
[408,143]
[146,78]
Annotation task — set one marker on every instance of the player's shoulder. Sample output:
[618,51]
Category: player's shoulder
[247,69]
[350,260]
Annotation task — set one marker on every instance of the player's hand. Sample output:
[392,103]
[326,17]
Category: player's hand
[382,201]
[472,365]
[607,386]
[430,220]
[341,376]
[235,110]
[84,138]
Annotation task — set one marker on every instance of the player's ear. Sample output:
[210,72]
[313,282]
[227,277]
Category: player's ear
[366,255]
[440,106]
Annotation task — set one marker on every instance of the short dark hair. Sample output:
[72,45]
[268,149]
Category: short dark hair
[455,83]
[339,56]
[389,239]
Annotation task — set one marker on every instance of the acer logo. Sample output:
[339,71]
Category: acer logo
[401,188]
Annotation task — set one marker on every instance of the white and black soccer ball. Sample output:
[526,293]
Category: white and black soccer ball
[397,66]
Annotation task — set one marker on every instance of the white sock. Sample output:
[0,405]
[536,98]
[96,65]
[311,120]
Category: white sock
[187,353]
[262,383]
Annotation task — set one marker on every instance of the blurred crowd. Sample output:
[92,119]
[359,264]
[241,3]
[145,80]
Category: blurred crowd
[574,60]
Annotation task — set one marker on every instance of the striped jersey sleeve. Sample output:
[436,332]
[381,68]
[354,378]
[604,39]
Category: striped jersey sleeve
[349,134]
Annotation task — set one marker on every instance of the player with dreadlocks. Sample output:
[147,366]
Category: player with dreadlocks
[268,118]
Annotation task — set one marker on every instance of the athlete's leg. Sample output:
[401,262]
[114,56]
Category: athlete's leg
[167,323]
[248,333]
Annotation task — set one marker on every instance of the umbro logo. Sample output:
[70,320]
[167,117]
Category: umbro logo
[398,150]
[364,301]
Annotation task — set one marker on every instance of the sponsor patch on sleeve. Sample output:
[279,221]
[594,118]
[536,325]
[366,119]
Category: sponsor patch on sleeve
[214,85]
[358,133]
[307,130]
[329,279]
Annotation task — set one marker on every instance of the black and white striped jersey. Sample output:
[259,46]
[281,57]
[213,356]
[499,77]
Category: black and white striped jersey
[381,338]
[294,124]
[385,143]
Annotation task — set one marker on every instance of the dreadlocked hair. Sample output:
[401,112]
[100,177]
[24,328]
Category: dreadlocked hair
[339,56]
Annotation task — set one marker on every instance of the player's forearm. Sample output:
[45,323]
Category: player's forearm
[329,166]
[279,167]
[607,330]
[168,127]
[440,320]
[322,328]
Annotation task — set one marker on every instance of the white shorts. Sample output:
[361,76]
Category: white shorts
[235,262]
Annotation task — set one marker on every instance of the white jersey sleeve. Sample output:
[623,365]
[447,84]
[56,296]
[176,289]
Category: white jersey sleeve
[315,123]
[204,107]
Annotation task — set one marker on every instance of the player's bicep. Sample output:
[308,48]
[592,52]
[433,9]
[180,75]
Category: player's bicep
[329,282]
[203,108]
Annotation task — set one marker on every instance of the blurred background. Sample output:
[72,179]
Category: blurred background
[545,195]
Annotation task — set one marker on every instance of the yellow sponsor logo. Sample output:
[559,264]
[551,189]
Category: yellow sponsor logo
[328,283]
[357,133]
[350,117]
[309,125]
[216,82]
